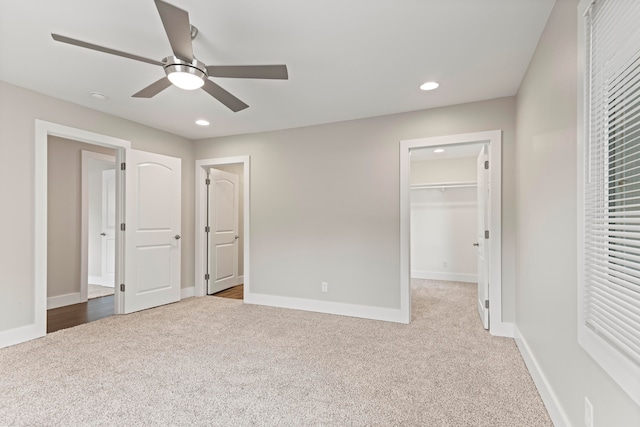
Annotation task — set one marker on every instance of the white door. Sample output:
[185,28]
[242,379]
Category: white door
[482,242]
[223,235]
[108,227]
[152,236]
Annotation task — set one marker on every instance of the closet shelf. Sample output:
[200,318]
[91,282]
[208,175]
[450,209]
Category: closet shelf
[443,185]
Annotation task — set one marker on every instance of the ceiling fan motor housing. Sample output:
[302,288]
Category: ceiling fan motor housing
[173,64]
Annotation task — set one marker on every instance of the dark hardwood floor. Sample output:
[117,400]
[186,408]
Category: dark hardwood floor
[78,314]
[99,308]
[237,292]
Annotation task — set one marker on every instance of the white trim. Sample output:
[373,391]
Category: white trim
[42,130]
[549,398]
[503,329]
[187,292]
[21,334]
[240,280]
[328,307]
[494,139]
[439,275]
[201,213]
[64,300]
[84,222]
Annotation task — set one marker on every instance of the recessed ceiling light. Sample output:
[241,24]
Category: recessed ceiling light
[202,122]
[439,150]
[429,86]
[99,95]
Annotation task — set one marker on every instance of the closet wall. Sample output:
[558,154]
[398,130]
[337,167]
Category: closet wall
[443,219]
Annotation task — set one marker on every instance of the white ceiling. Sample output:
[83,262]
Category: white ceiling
[346,59]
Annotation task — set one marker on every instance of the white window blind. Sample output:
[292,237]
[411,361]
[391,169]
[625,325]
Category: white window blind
[611,245]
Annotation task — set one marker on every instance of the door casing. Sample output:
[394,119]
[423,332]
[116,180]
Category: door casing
[45,129]
[494,140]
[202,168]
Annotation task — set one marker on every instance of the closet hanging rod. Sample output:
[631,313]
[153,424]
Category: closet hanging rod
[443,185]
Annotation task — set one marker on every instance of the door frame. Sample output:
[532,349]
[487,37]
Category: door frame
[202,167]
[494,140]
[84,221]
[43,130]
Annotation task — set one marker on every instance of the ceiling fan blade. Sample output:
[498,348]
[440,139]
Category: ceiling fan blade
[230,101]
[153,89]
[176,25]
[249,71]
[69,40]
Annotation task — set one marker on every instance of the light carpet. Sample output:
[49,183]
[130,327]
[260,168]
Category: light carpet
[215,361]
[97,291]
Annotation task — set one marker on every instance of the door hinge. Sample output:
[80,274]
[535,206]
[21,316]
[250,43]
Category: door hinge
[486,304]
[206,276]
[486,164]
[123,166]
[486,234]
[207,181]
[122,227]
[122,287]
[207,229]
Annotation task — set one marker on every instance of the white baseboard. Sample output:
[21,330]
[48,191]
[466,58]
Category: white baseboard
[21,334]
[501,329]
[551,402]
[351,310]
[63,300]
[240,280]
[187,292]
[438,275]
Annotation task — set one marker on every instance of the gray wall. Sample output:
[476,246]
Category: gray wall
[325,201]
[546,300]
[64,206]
[19,108]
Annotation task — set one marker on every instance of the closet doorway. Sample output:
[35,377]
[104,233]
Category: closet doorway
[489,233]
[449,209]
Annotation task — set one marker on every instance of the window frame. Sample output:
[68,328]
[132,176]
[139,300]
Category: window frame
[621,369]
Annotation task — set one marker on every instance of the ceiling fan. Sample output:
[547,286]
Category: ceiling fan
[182,68]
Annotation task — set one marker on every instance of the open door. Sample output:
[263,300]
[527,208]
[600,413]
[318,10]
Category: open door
[152,231]
[223,231]
[482,236]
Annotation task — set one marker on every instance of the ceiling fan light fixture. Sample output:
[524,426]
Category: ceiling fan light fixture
[187,76]
[185,80]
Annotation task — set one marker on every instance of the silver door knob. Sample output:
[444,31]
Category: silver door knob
[476,244]
[177,237]
[103,234]
[237,237]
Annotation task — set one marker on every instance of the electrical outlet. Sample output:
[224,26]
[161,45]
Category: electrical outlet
[588,413]
[445,264]
[325,286]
